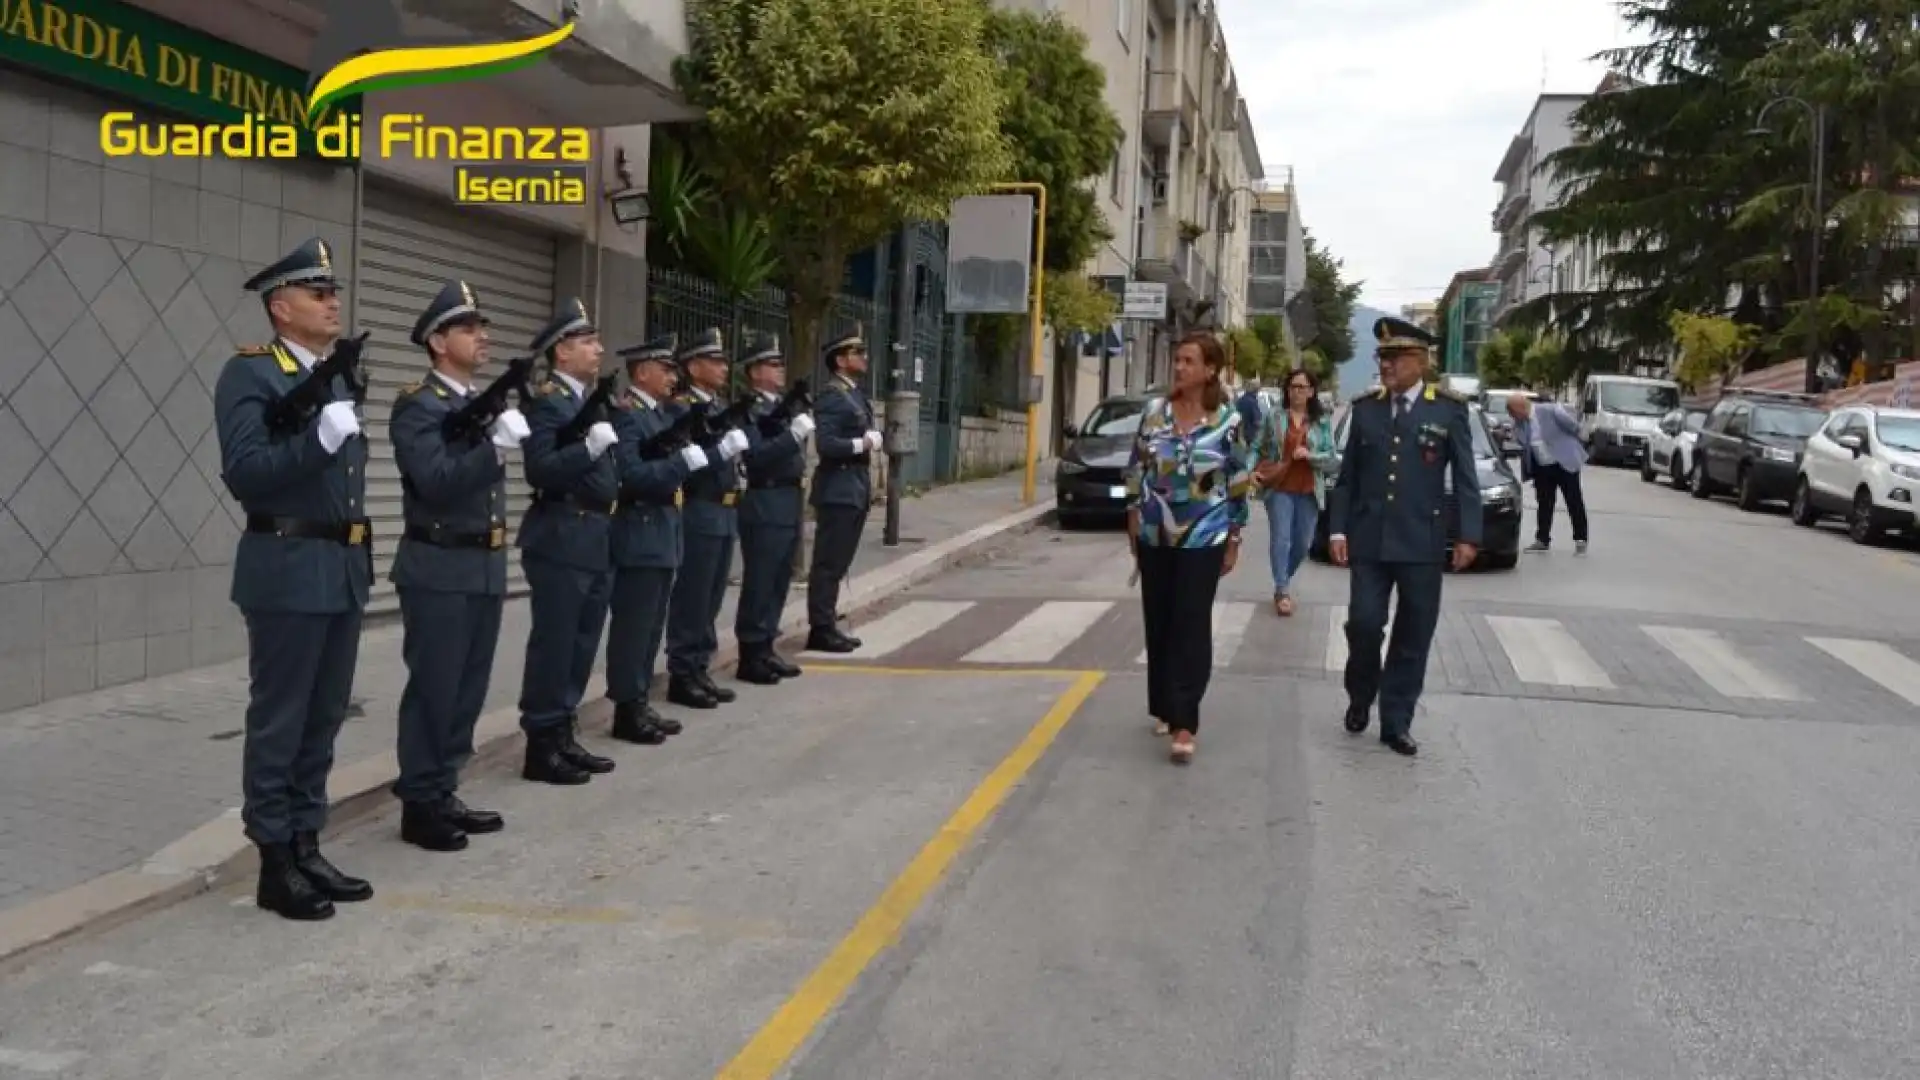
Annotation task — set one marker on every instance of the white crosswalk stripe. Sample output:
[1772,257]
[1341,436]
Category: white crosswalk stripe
[1336,659]
[1542,651]
[1044,634]
[1230,622]
[897,629]
[1877,661]
[1714,659]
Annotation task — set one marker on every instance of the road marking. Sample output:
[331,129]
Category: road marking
[34,1061]
[1713,658]
[933,673]
[1541,651]
[898,629]
[775,1044]
[1044,634]
[1230,622]
[1337,638]
[1877,661]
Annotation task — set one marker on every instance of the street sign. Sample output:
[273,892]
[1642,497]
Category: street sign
[989,249]
[1144,300]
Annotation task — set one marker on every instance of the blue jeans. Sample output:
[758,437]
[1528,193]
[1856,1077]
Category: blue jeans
[1290,521]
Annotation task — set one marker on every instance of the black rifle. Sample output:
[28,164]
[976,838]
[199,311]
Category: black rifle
[592,411]
[297,409]
[734,416]
[791,404]
[676,436]
[476,416]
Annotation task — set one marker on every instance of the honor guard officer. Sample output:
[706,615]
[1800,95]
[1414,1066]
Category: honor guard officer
[565,546]
[710,505]
[451,569]
[292,453]
[1387,520]
[842,488]
[646,541]
[771,514]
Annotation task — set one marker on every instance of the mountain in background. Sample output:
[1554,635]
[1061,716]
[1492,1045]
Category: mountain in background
[1360,372]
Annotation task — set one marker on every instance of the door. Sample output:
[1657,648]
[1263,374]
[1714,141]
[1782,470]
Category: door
[1731,448]
[409,245]
[1821,462]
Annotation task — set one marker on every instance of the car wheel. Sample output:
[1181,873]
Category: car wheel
[1745,497]
[1698,486]
[1860,519]
[1802,511]
[1646,469]
[1678,479]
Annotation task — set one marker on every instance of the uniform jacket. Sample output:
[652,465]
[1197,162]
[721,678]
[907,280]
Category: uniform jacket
[703,510]
[1390,502]
[289,476]
[558,527]
[843,416]
[455,489]
[646,534]
[775,467]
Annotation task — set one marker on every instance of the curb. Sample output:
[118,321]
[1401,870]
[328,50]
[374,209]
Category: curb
[200,860]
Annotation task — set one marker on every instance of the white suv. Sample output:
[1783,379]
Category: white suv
[1862,465]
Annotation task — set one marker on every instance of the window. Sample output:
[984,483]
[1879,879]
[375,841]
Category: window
[1695,420]
[1788,422]
[1113,174]
[1123,20]
[1638,399]
[1900,433]
[1114,418]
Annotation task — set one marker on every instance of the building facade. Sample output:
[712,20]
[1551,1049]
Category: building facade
[1524,267]
[121,300]
[1277,259]
[1425,314]
[1466,311]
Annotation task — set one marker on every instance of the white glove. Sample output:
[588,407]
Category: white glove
[802,426]
[695,458]
[337,425]
[875,440]
[599,438]
[509,428]
[732,444]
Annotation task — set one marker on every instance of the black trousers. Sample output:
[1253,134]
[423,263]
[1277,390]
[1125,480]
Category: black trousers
[1397,685]
[1177,587]
[1549,480]
[836,540]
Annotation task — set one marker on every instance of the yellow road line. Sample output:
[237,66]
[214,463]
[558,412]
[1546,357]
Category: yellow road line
[1003,672]
[776,1043]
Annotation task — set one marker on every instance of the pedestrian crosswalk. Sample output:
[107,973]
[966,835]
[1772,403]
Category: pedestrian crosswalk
[1604,653]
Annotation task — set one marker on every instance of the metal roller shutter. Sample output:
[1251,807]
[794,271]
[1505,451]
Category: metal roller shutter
[408,246]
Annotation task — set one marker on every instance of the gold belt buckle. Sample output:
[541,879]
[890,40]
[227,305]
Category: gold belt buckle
[356,534]
[497,537]
[730,498]
[679,499]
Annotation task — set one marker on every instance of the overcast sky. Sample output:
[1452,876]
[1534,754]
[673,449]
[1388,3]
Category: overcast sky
[1394,115]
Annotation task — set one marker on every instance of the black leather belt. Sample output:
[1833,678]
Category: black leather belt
[724,498]
[577,502]
[492,540]
[773,485]
[838,464]
[628,502]
[350,533]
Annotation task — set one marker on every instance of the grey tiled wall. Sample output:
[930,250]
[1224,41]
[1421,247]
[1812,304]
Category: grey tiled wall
[120,300]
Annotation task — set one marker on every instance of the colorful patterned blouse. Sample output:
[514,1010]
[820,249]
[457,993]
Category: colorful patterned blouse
[1191,490]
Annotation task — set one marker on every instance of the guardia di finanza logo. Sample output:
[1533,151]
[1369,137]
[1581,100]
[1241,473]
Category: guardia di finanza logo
[362,51]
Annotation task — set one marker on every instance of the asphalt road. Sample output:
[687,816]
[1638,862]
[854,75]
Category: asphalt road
[1661,826]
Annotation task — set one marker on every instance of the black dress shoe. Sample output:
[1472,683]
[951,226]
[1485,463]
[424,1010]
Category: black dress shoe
[714,690]
[546,765]
[830,641]
[665,723]
[755,669]
[429,826]
[782,666]
[287,892]
[1401,744]
[581,757]
[470,820]
[684,691]
[325,876]
[1357,719]
[632,724]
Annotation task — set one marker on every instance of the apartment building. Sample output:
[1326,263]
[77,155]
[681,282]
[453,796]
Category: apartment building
[1524,266]
[121,300]
[1466,311]
[1425,314]
[1277,256]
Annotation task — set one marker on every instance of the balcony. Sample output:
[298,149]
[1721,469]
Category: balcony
[1508,212]
[1167,258]
[1173,111]
[1513,256]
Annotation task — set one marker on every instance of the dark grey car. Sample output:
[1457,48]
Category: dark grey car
[1090,482]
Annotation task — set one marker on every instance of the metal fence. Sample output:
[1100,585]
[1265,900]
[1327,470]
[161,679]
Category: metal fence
[685,304]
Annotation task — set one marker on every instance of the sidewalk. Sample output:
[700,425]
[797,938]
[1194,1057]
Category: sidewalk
[100,782]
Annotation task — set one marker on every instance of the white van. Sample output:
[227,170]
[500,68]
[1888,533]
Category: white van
[1619,415]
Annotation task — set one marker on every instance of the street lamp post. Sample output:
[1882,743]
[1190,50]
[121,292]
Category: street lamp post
[1817,121]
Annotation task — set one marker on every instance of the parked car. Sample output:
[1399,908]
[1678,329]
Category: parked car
[1864,467]
[1620,413]
[1500,502]
[1751,445]
[1090,482]
[1494,402]
[1670,453]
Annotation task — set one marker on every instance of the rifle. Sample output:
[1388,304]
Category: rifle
[737,415]
[794,402]
[592,411]
[473,419]
[301,404]
[676,436]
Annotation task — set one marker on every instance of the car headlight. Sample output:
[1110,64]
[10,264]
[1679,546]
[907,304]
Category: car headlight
[1774,453]
[1068,468]
[1908,472]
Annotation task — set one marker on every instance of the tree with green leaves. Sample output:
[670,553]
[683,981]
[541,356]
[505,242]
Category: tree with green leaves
[1333,298]
[836,121]
[1251,360]
[1711,348]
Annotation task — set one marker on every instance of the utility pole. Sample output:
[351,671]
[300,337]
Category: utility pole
[903,402]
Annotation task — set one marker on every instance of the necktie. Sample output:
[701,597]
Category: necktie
[1399,407]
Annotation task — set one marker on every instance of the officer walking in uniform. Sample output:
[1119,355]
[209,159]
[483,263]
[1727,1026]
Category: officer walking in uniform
[771,515]
[842,488]
[711,501]
[566,547]
[301,572]
[646,541]
[1387,521]
[450,570]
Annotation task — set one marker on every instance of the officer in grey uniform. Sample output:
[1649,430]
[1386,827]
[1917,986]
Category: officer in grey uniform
[771,514]
[450,570]
[300,574]
[646,541]
[1387,520]
[842,488]
[566,548]
[711,499]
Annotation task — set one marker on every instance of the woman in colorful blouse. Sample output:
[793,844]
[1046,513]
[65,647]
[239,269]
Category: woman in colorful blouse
[1187,488]
[1296,454]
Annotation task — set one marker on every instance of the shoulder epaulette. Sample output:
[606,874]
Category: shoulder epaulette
[411,389]
[546,389]
[1447,392]
[254,350]
[1376,392]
